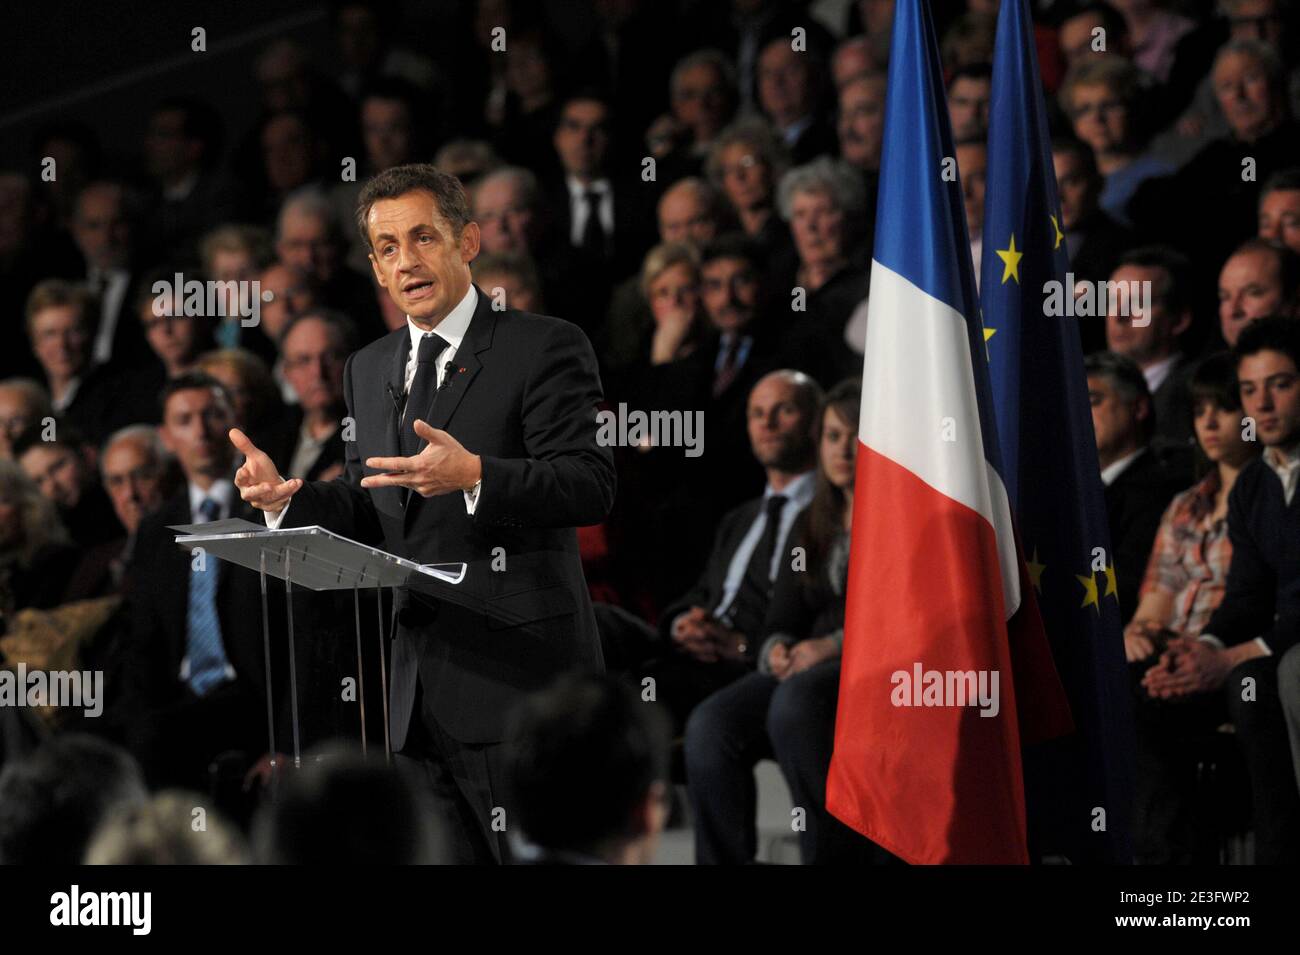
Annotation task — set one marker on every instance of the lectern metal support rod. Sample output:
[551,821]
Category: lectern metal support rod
[361,680]
[266,646]
[383,669]
[293,657]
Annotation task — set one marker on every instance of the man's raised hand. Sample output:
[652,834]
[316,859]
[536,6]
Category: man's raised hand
[258,480]
[442,466]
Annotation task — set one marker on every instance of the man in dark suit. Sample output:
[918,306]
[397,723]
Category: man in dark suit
[607,220]
[1253,634]
[1093,240]
[102,228]
[719,375]
[1138,487]
[1155,339]
[474,440]
[792,91]
[313,350]
[709,635]
[196,681]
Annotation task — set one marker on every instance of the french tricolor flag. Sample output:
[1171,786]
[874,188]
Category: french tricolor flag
[937,592]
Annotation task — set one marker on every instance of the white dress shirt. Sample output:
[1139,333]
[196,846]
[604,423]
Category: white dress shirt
[578,206]
[798,495]
[1113,470]
[113,284]
[1286,465]
[452,330]
[1156,373]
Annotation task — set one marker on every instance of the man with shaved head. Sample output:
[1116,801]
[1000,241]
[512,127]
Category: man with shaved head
[709,635]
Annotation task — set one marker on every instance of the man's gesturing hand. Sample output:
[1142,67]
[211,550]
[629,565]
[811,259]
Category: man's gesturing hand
[258,481]
[442,466]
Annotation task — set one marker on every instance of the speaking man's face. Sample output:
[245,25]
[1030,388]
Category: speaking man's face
[418,258]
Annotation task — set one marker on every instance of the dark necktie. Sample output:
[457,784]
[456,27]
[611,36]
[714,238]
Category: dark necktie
[593,233]
[727,373]
[423,388]
[749,606]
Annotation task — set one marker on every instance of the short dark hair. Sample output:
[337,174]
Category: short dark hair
[1080,151]
[343,809]
[65,435]
[732,245]
[1284,180]
[1123,374]
[585,753]
[445,188]
[201,121]
[1214,379]
[52,800]
[971,71]
[1273,333]
[1174,292]
[191,381]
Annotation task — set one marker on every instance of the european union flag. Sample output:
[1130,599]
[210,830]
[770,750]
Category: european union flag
[1080,790]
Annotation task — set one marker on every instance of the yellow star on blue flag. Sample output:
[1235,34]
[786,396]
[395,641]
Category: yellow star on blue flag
[1011,261]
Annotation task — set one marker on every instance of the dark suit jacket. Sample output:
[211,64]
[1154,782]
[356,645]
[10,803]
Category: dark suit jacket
[523,397]
[110,398]
[1175,438]
[282,441]
[731,473]
[158,600]
[1135,502]
[707,591]
[1102,241]
[1263,595]
[634,224]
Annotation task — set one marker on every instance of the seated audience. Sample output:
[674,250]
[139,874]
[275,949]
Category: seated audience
[786,709]
[1257,624]
[1093,240]
[1279,209]
[36,555]
[1138,486]
[62,464]
[23,403]
[197,677]
[745,163]
[1151,337]
[825,280]
[1184,583]
[708,636]
[1103,97]
[1258,279]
